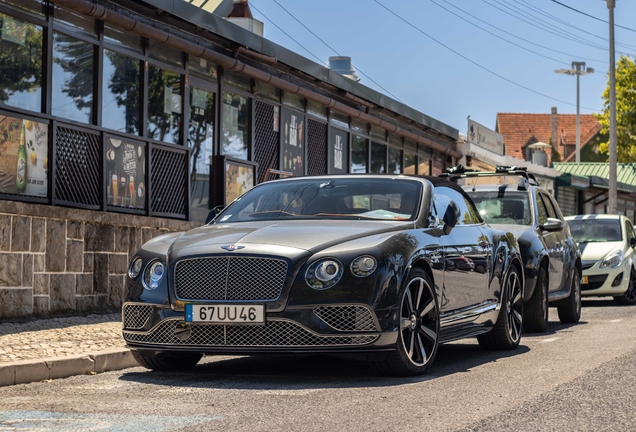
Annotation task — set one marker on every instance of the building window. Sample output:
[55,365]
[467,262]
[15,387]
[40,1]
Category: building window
[166,54]
[359,154]
[116,36]
[20,63]
[73,61]
[74,20]
[424,166]
[235,132]
[378,158]
[395,161]
[120,93]
[202,68]
[409,163]
[164,105]
[37,6]
[201,141]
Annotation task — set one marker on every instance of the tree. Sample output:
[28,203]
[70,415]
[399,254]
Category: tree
[625,111]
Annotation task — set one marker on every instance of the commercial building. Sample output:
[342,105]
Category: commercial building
[124,119]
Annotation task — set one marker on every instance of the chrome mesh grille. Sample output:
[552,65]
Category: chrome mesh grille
[346,318]
[230,278]
[275,333]
[136,315]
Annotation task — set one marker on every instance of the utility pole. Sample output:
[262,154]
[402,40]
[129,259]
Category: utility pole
[578,69]
[613,159]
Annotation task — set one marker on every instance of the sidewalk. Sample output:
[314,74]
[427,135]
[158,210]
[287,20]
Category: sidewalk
[61,347]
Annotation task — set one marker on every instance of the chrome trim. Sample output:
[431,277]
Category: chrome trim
[470,312]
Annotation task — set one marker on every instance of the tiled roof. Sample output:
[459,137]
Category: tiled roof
[519,130]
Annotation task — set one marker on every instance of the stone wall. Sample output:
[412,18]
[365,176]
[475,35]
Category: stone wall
[60,261]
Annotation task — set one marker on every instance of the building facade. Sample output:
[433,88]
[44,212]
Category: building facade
[121,120]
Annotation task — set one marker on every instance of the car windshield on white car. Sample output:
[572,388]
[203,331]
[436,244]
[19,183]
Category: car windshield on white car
[338,198]
[595,230]
[503,207]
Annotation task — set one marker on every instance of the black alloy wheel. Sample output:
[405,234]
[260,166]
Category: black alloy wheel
[506,333]
[535,312]
[570,309]
[629,298]
[418,324]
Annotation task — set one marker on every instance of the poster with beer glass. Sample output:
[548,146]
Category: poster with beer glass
[24,157]
[293,154]
[125,173]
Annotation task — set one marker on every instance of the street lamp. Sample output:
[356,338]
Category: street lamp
[578,69]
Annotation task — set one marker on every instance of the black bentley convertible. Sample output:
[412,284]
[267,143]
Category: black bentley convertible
[353,265]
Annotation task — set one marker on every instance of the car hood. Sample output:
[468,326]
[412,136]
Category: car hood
[594,251]
[309,235]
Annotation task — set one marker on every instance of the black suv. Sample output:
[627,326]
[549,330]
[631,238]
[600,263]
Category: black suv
[552,262]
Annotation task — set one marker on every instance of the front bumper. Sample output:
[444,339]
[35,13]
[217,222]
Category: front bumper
[320,328]
[604,281]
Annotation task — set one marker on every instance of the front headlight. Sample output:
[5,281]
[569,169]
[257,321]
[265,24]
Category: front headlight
[135,268]
[613,260]
[324,274]
[363,265]
[153,275]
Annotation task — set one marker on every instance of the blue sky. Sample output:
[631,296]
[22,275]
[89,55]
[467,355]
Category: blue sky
[441,83]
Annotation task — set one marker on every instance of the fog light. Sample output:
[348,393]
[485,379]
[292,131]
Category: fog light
[617,280]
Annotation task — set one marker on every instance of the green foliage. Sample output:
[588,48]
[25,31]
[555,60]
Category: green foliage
[625,111]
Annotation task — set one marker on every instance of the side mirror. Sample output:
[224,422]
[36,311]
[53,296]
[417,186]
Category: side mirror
[632,242]
[214,213]
[451,217]
[552,224]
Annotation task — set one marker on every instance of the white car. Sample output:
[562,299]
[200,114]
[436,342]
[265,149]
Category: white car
[607,246]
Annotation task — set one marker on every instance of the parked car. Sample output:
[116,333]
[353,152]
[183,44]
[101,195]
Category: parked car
[552,263]
[333,264]
[607,246]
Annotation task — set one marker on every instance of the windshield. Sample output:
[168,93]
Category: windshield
[503,207]
[339,198]
[595,230]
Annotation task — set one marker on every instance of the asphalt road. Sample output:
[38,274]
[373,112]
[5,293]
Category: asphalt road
[572,378]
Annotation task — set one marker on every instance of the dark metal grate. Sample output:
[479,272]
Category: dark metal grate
[317,147]
[136,315]
[346,318]
[77,164]
[267,141]
[230,278]
[168,193]
[274,333]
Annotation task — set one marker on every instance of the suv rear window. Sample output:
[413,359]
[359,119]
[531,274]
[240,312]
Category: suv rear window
[503,207]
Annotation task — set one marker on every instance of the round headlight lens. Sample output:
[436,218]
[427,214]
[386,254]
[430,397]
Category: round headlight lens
[363,265]
[324,274]
[153,275]
[135,268]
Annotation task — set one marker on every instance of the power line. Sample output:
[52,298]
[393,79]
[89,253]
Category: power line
[592,16]
[332,49]
[474,62]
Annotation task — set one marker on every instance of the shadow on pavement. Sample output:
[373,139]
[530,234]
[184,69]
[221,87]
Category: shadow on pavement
[306,372]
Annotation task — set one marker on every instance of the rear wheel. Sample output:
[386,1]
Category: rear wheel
[535,311]
[629,298]
[506,334]
[167,361]
[418,329]
[570,310]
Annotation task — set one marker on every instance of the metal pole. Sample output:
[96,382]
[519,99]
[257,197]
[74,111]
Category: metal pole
[578,115]
[613,159]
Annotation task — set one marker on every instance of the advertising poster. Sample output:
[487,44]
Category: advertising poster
[293,135]
[338,151]
[125,174]
[24,157]
[238,180]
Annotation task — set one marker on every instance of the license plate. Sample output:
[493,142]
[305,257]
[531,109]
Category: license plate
[584,281]
[225,314]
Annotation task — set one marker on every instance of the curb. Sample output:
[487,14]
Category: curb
[26,371]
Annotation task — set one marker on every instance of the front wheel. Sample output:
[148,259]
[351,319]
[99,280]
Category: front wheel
[418,328]
[570,311]
[535,313]
[629,298]
[506,333]
[167,361]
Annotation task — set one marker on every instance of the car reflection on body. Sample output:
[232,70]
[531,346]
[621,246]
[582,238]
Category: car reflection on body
[607,246]
[345,265]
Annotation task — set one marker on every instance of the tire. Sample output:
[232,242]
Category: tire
[480,268]
[535,311]
[629,298]
[570,310]
[167,361]
[506,333]
[418,326]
